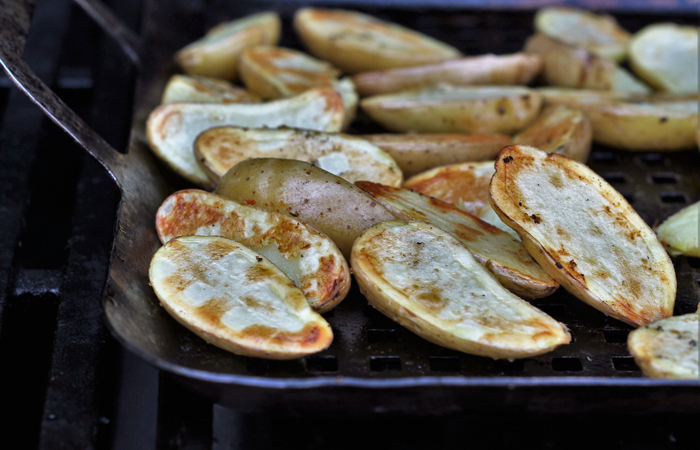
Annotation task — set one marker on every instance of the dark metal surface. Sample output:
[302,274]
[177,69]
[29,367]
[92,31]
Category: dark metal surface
[374,365]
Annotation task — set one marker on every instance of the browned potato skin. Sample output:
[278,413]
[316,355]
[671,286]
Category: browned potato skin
[339,209]
[561,130]
[416,153]
[353,58]
[518,68]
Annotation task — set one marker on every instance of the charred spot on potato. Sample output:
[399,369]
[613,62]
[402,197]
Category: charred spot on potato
[559,266]
[535,218]
[507,159]
[663,119]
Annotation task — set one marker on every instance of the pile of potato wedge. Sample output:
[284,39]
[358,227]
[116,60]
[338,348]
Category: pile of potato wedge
[475,199]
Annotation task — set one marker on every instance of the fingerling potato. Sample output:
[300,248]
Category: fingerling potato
[236,299]
[423,278]
[196,89]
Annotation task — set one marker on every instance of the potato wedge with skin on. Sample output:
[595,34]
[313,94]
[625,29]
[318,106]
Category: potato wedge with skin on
[680,233]
[236,299]
[574,67]
[665,55]
[498,252]
[348,157]
[455,109]
[416,153]
[304,254]
[423,278]
[216,54]
[172,129]
[585,234]
[559,129]
[515,69]
[600,34]
[668,348]
[195,89]
[337,208]
[357,42]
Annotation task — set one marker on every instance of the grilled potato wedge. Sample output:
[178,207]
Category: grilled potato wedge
[195,89]
[665,55]
[585,234]
[455,109]
[416,153]
[305,255]
[503,256]
[339,209]
[172,129]
[559,129]
[667,348]
[348,157]
[596,33]
[518,68]
[236,299]
[422,277]
[569,66]
[464,185]
[680,232]
[357,42]
[215,55]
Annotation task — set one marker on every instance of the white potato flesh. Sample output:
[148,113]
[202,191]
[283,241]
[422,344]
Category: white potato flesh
[585,234]
[423,278]
[668,348]
[236,299]
[172,129]
[196,89]
[680,233]
[348,157]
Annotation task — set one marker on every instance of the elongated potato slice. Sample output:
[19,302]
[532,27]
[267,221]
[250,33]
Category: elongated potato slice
[464,185]
[502,255]
[668,348]
[305,255]
[416,153]
[585,234]
[455,109]
[569,66]
[215,55]
[357,42]
[339,209]
[236,299]
[599,34]
[423,278]
[172,129]
[348,157]
[665,55]
[518,68]
[680,233]
[196,89]
[559,129]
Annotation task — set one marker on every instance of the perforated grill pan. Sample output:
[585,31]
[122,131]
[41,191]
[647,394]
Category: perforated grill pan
[373,365]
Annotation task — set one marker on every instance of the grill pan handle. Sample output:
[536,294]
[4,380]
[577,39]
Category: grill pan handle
[15,19]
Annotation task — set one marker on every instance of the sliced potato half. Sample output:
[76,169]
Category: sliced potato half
[305,255]
[464,185]
[668,348]
[585,234]
[455,109]
[559,129]
[339,209]
[569,66]
[680,233]
[423,278]
[196,89]
[215,55]
[357,42]
[518,68]
[416,153]
[502,255]
[172,129]
[665,55]
[348,157]
[236,299]
[600,34]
